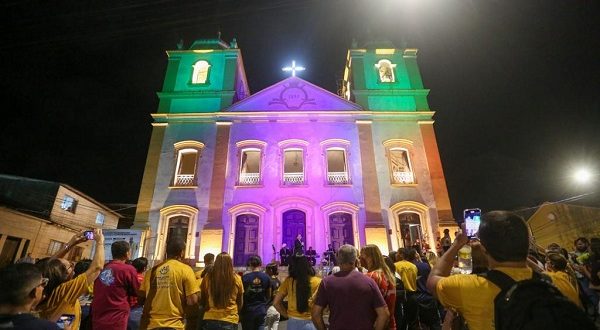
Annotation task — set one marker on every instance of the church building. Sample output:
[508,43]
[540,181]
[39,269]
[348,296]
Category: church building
[244,173]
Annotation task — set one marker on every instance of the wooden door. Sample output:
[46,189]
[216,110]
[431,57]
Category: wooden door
[294,223]
[340,229]
[246,238]
[178,228]
[410,229]
[9,251]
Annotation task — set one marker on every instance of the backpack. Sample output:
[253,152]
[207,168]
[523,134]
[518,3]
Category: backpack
[534,304]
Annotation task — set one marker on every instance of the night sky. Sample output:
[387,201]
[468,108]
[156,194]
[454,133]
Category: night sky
[515,84]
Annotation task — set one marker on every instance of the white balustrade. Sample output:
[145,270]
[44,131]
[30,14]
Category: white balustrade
[403,177]
[293,178]
[249,179]
[337,177]
[184,180]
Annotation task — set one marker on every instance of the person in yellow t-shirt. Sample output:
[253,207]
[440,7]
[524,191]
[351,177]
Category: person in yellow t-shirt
[63,291]
[166,290]
[504,240]
[299,287]
[406,269]
[408,274]
[556,266]
[223,292]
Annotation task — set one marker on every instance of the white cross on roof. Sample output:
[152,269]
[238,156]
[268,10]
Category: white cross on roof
[293,68]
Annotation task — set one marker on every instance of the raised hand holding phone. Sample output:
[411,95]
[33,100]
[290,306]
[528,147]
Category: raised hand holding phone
[472,219]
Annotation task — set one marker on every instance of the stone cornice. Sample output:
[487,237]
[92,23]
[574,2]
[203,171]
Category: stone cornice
[194,94]
[391,92]
[295,116]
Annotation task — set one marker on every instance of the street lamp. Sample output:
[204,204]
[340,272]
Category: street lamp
[582,175]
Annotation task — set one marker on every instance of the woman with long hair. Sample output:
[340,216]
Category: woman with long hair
[63,290]
[222,291]
[372,259]
[300,286]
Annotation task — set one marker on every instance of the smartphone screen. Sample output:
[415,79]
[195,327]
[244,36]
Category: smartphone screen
[472,220]
[89,235]
[65,320]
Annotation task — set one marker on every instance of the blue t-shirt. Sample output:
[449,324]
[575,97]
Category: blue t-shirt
[256,295]
[423,270]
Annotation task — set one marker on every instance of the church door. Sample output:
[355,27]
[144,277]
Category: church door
[340,228]
[246,238]
[178,228]
[294,223]
[410,229]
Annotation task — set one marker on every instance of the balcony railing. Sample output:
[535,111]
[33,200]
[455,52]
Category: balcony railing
[293,178]
[403,177]
[184,180]
[337,177]
[249,179]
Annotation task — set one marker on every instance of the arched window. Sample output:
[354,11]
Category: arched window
[293,166]
[200,74]
[250,162]
[336,153]
[188,154]
[337,169]
[386,71]
[398,153]
[250,166]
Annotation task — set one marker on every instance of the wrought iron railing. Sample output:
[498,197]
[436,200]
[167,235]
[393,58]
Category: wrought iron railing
[403,177]
[293,178]
[249,179]
[184,180]
[337,177]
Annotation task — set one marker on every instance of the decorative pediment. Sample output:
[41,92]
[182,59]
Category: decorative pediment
[293,94]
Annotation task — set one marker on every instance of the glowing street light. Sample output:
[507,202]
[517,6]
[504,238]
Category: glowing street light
[582,175]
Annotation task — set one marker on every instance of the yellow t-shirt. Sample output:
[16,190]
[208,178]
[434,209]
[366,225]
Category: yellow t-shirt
[290,291]
[230,313]
[473,296]
[65,300]
[562,282]
[408,274]
[174,282]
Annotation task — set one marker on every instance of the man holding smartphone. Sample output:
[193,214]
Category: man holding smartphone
[116,283]
[505,239]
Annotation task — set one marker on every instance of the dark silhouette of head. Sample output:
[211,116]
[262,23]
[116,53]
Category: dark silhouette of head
[140,264]
[209,259]
[120,250]
[19,285]
[175,249]
[254,261]
[504,235]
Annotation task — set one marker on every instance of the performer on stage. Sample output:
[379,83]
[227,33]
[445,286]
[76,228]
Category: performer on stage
[330,254]
[284,254]
[311,255]
[298,245]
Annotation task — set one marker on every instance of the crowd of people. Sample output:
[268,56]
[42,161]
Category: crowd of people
[513,285]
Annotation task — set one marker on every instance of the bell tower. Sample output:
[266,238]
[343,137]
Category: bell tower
[381,77]
[385,80]
[207,77]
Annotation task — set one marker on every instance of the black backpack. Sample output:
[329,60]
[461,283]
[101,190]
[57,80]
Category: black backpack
[534,304]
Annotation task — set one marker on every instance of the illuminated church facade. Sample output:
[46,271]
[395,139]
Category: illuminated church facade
[245,173]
